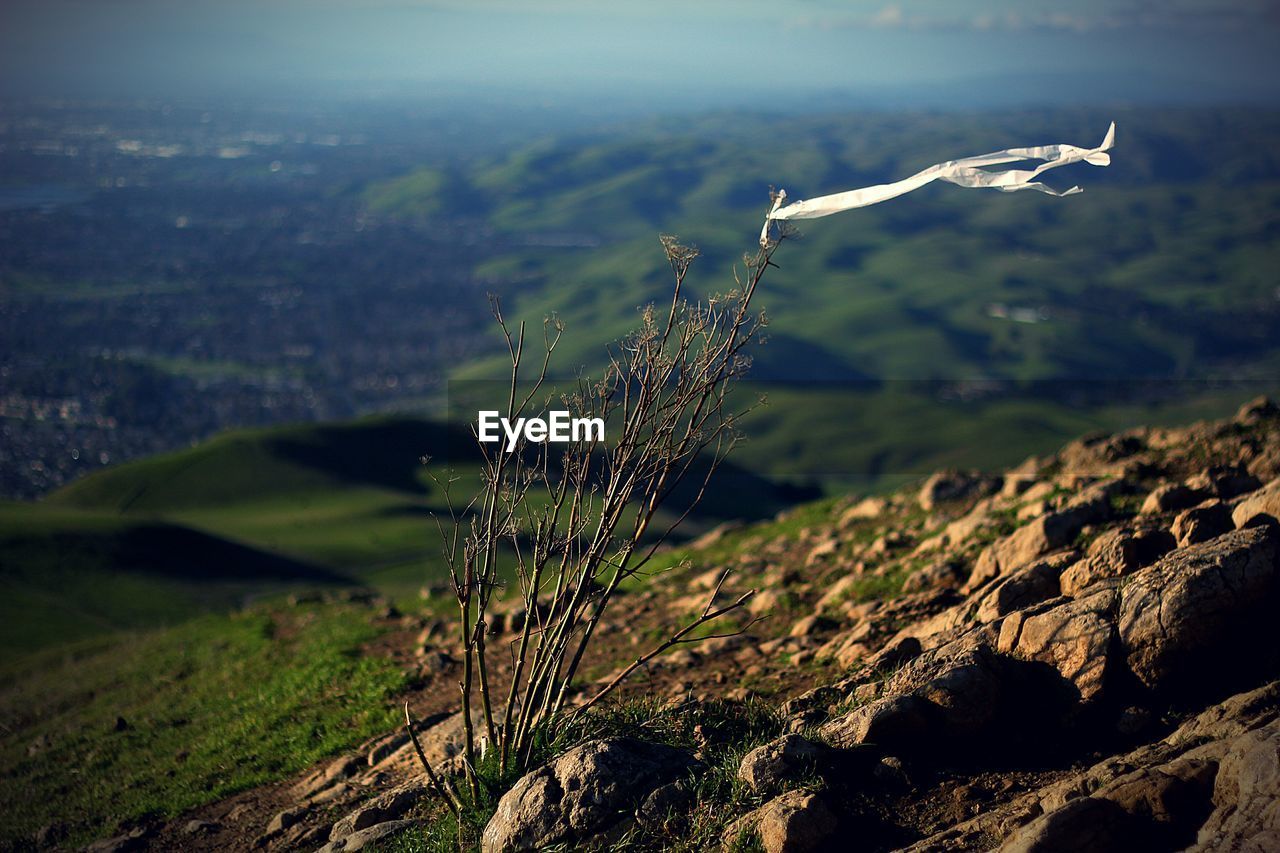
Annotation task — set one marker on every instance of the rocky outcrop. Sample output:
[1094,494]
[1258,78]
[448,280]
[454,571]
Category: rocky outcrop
[1187,621]
[1209,785]
[582,794]
[1049,532]
[1067,657]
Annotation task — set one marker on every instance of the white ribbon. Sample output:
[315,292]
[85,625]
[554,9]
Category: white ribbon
[966,172]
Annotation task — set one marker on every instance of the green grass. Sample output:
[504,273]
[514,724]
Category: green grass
[68,574]
[257,464]
[211,707]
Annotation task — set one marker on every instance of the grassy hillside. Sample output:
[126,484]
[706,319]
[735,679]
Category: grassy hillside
[253,513]
[1159,272]
[140,726]
[70,574]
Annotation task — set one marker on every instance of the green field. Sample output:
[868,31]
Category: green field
[101,733]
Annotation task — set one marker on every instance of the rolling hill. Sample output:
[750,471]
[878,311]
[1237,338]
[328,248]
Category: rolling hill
[255,513]
[1154,285]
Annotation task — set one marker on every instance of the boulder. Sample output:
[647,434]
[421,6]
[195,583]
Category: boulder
[766,768]
[1074,636]
[944,574]
[1047,533]
[1025,587]
[1261,507]
[885,721]
[1115,553]
[1246,794]
[1171,497]
[664,803]
[951,485]
[134,839]
[1157,790]
[812,624]
[864,509]
[1152,808]
[1201,611]
[947,695]
[795,822]
[1201,523]
[581,794]
[286,818]
[1224,481]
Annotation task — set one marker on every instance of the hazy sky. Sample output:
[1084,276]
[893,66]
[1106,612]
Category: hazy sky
[685,51]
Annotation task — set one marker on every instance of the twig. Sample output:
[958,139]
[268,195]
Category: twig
[441,786]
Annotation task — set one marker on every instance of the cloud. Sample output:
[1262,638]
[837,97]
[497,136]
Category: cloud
[1176,15]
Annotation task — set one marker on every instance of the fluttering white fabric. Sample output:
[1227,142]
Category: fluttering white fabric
[965,172]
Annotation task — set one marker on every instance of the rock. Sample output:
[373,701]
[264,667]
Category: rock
[938,698]
[945,574]
[886,721]
[892,541]
[795,822]
[661,805]
[581,794]
[766,768]
[303,837]
[1201,611]
[766,601]
[1152,808]
[1116,553]
[1149,798]
[1262,506]
[822,550]
[1088,823]
[715,534]
[386,745]
[341,769]
[813,624]
[951,485]
[1170,497]
[1047,533]
[846,649]
[1224,481]
[963,690]
[895,653]
[387,806]
[1037,582]
[200,827]
[865,509]
[367,836]
[135,839]
[1074,636]
[285,819]
[1245,793]
[1202,523]
[840,591]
